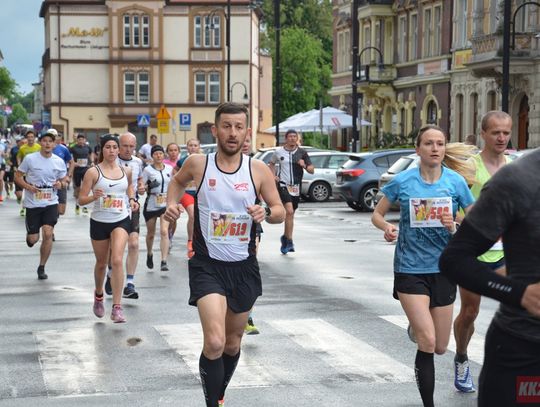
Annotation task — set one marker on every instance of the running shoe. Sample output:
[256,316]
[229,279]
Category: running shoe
[22,212]
[117,314]
[290,246]
[129,291]
[250,328]
[283,247]
[463,377]
[99,309]
[410,333]
[221,403]
[1,198]
[77,210]
[41,275]
[150,261]
[84,209]
[108,287]
[164,266]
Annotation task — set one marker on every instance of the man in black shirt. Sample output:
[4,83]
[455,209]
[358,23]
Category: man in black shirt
[83,158]
[508,207]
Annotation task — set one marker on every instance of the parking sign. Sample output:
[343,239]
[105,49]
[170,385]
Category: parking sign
[185,121]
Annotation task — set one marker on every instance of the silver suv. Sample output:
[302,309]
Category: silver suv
[318,186]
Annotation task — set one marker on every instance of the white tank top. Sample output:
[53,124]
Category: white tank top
[113,207]
[223,229]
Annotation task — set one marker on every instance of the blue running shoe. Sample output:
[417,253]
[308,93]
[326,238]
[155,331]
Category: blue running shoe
[129,291]
[463,377]
[290,246]
[284,244]
[108,287]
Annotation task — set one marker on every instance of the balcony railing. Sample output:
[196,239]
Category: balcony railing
[489,46]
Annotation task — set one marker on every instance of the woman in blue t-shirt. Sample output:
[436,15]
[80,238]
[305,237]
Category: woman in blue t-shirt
[429,197]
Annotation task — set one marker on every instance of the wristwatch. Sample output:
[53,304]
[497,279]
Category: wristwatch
[268,211]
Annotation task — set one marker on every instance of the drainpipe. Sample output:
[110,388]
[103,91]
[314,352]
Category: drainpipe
[66,133]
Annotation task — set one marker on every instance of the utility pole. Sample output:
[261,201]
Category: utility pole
[355,39]
[277,97]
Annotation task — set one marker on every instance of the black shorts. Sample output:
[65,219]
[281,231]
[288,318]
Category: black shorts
[135,216]
[153,214]
[239,281]
[286,197]
[509,364]
[102,230]
[78,175]
[37,217]
[2,167]
[62,195]
[436,286]
[9,176]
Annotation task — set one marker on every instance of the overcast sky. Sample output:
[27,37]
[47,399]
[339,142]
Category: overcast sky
[22,40]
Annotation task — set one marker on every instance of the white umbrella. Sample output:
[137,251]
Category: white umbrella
[327,119]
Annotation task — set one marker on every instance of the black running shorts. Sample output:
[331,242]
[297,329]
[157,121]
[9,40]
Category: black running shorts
[153,214]
[286,197]
[239,281]
[37,217]
[436,286]
[102,230]
[78,175]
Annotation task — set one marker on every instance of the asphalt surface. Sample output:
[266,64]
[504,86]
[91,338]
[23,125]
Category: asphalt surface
[331,333]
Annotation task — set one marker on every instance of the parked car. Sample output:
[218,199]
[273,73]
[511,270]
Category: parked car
[358,181]
[402,164]
[265,154]
[318,186]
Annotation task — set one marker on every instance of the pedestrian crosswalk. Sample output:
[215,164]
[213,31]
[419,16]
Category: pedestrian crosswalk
[74,361]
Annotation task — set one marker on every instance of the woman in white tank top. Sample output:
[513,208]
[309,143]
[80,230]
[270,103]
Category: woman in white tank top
[114,199]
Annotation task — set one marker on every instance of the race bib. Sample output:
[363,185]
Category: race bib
[44,195]
[427,212]
[191,186]
[113,203]
[227,228]
[161,200]
[498,245]
[82,162]
[294,190]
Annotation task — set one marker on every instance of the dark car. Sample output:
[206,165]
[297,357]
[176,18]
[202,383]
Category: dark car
[357,182]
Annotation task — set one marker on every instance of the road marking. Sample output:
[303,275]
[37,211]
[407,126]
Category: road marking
[187,341]
[475,350]
[69,360]
[350,356]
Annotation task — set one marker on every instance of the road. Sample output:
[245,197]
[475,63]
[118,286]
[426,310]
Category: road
[331,333]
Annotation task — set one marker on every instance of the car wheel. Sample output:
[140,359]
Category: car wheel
[367,197]
[319,192]
[354,205]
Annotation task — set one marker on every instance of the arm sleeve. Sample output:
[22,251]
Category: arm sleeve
[459,262]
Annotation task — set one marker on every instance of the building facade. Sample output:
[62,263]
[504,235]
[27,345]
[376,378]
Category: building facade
[108,61]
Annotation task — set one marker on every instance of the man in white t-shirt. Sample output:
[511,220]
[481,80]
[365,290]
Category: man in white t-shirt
[145,152]
[41,174]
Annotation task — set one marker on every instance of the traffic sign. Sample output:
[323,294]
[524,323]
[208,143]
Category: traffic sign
[163,113]
[143,120]
[163,126]
[185,121]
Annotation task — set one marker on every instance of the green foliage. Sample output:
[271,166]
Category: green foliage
[7,83]
[19,115]
[27,101]
[390,140]
[317,140]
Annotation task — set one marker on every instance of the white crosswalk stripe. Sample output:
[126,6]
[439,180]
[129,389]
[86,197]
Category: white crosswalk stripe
[475,350]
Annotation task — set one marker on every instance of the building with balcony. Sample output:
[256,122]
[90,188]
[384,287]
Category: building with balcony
[108,61]
[477,68]
[412,85]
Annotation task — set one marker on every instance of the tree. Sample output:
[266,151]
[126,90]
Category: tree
[18,115]
[7,83]
[26,100]
[305,77]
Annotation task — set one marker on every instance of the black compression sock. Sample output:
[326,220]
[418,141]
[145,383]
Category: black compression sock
[424,371]
[229,366]
[212,374]
[461,357]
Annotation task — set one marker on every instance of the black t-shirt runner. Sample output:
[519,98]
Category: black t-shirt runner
[81,155]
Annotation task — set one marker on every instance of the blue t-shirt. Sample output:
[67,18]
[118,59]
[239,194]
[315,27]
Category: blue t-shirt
[418,248]
[63,152]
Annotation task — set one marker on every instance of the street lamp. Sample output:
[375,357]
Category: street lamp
[227,43]
[356,112]
[509,32]
[245,98]
[277,101]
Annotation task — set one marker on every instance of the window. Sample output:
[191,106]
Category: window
[461,19]
[336,161]
[459,117]
[207,31]
[428,33]
[208,87]
[136,30]
[522,17]
[432,112]
[366,58]
[136,87]
[413,29]
[402,45]
[437,24]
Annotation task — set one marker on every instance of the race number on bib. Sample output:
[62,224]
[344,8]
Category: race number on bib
[113,203]
[161,200]
[229,228]
[427,212]
[44,195]
[294,190]
[82,162]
